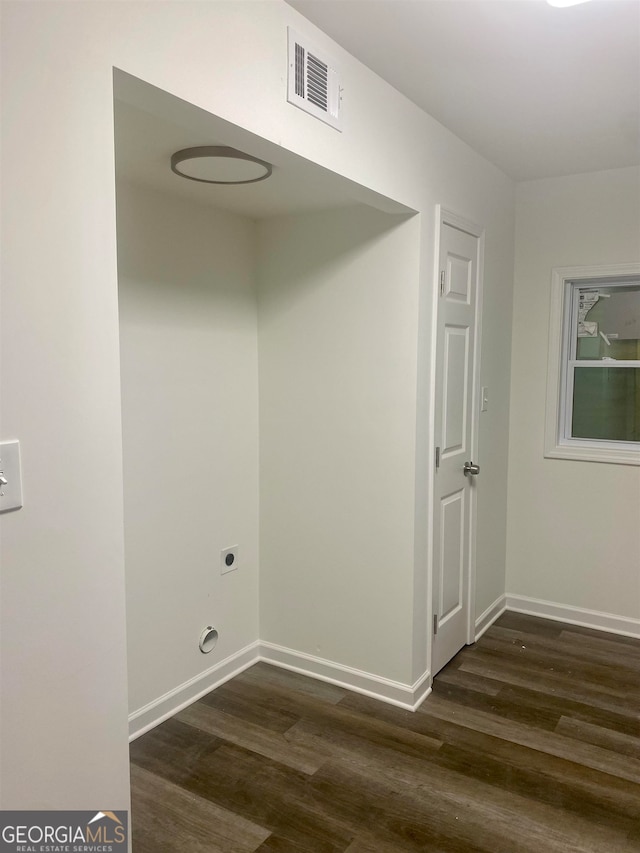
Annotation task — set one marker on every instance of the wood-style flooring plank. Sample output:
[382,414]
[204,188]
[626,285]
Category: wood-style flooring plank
[601,639]
[235,705]
[513,765]
[263,791]
[252,737]
[363,844]
[470,681]
[530,625]
[278,844]
[501,705]
[263,673]
[615,741]
[573,645]
[174,750]
[169,817]
[548,742]
[537,659]
[530,743]
[398,812]
[621,720]
[336,718]
[555,684]
[433,808]
[628,645]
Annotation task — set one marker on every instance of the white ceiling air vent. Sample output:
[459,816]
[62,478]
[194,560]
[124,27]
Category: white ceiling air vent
[313,82]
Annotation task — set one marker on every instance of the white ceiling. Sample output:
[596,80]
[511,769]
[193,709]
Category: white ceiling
[539,91]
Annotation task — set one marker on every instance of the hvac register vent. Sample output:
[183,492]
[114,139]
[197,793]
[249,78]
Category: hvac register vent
[313,82]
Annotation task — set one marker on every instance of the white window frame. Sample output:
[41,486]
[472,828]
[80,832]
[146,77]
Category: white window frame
[558,442]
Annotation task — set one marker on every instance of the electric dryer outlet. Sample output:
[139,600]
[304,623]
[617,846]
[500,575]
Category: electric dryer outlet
[229,559]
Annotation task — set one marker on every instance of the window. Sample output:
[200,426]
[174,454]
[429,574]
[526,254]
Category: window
[593,387]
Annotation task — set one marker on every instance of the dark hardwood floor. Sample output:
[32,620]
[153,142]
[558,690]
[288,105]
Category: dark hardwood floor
[529,742]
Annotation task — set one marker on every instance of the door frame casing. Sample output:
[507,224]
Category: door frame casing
[444,216]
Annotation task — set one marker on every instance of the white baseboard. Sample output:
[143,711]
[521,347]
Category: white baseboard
[490,615]
[408,696]
[393,692]
[175,700]
[574,615]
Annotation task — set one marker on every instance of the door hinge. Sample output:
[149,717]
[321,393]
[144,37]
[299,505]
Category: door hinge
[435,624]
[442,276]
[437,458]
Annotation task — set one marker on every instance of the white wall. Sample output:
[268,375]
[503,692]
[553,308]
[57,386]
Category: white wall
[495,374]
[63,564]
[574,532]
[338,335]
[188,338]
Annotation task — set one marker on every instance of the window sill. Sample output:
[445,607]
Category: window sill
[584,453]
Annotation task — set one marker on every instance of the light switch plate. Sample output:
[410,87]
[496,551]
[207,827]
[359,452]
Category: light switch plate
[11,491]
[484,404]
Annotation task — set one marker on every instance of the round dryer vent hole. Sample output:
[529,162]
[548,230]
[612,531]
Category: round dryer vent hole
[208,640]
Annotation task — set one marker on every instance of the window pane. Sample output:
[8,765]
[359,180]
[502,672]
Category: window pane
[609,322]
[606,403]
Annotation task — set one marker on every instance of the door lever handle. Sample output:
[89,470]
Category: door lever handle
[470,468]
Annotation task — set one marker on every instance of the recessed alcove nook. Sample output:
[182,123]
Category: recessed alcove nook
[268,339]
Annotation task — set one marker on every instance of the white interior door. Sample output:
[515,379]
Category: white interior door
[455,438]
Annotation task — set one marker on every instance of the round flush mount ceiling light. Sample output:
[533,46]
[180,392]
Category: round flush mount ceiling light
[218,164]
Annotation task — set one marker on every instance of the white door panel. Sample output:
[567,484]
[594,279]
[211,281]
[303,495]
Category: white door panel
[455,382]
[458,281]
[455,437]
[451,554]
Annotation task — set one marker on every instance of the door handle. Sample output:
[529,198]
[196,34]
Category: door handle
[470,468]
